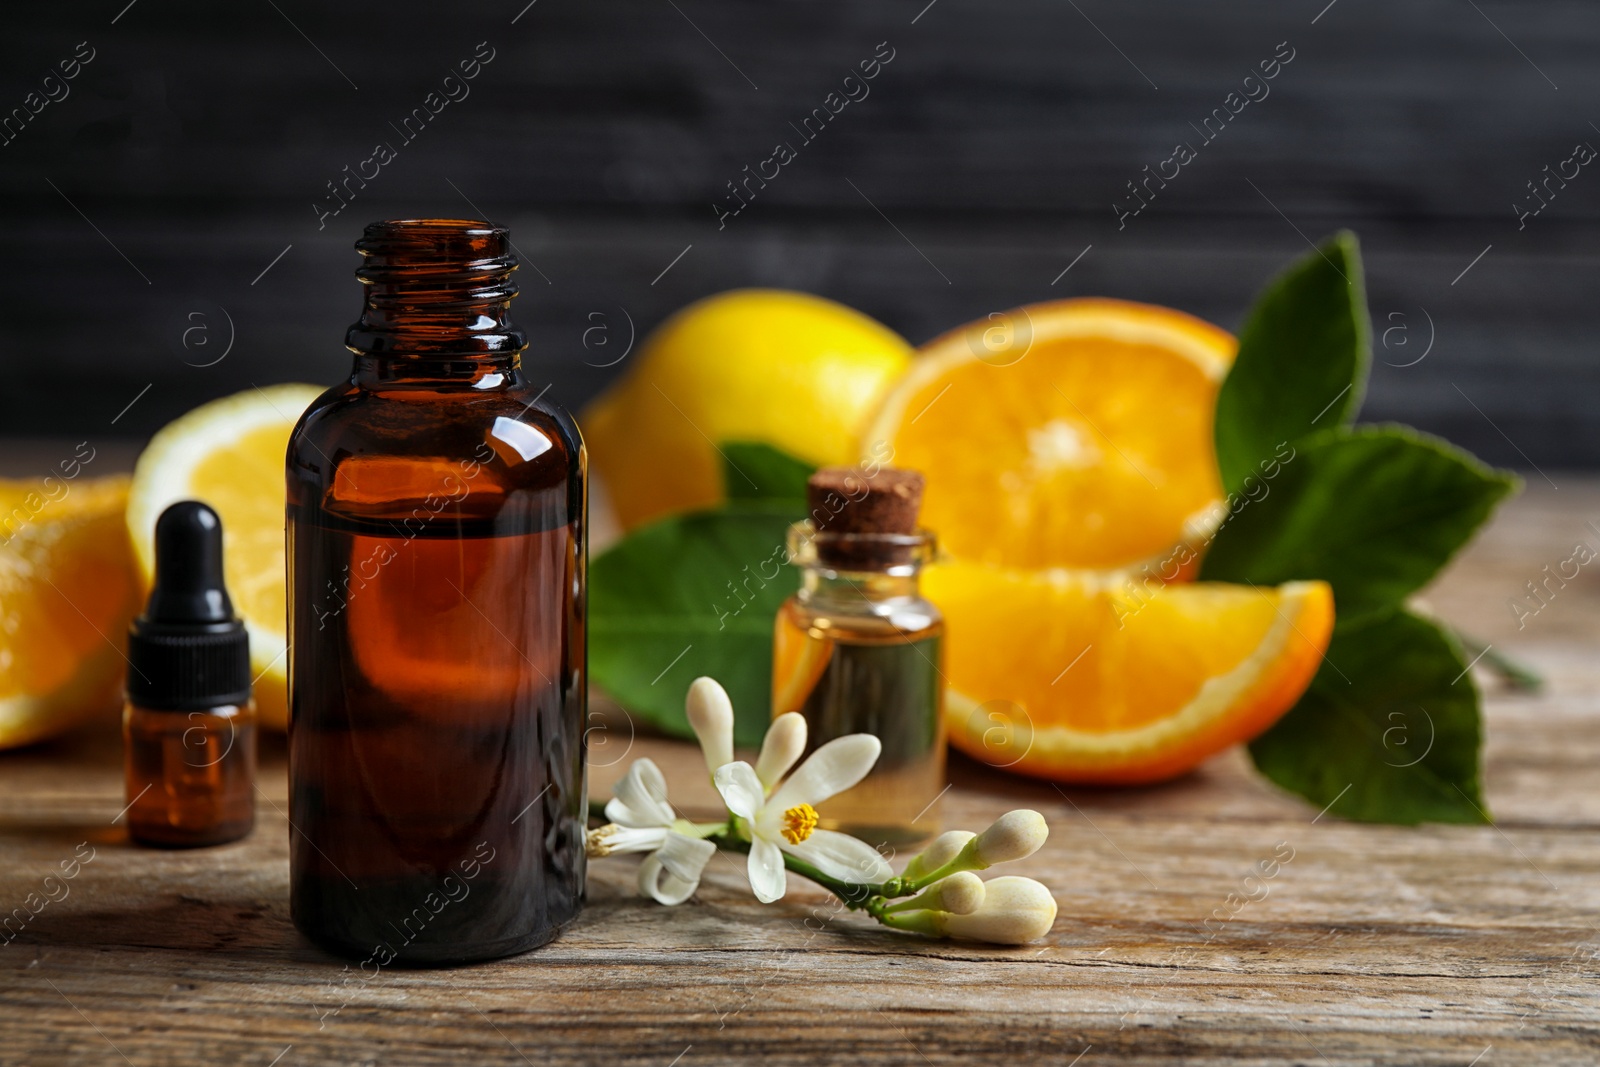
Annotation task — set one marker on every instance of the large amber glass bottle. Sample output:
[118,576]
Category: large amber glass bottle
[436,542]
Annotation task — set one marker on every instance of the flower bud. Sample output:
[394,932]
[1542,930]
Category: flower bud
[1013,836]
[711,715]
[961,893]
[944,848]
[1014,911]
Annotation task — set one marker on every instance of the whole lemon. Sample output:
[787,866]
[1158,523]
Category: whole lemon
[789,369]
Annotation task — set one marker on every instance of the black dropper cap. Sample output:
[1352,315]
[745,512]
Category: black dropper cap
[188,651]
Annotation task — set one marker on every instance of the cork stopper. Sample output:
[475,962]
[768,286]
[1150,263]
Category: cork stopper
[864,522]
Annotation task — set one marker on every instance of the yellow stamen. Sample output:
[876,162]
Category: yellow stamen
[798,822]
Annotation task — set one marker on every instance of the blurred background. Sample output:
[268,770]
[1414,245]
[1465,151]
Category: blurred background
[179,216]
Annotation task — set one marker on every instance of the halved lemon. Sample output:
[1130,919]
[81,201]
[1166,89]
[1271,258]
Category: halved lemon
[1070,434]
[230,454]
[1119,680]
[68,589]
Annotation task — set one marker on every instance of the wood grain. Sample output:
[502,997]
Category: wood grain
[1374,944]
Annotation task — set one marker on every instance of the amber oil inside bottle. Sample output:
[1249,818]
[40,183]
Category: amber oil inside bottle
[859,651]
[191,774]
[436,541]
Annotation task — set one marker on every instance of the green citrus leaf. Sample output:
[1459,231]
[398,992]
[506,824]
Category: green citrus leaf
[754,470]
[1374,511]
[690,595]
[1302,362]
[1388,731]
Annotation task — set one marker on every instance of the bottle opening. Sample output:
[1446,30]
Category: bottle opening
[417,242]
[436,287]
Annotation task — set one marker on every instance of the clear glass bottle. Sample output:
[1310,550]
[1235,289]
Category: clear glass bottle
[859,650]
[437,520]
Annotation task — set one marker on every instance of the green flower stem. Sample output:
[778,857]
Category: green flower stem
[916,885]
[908,904]
[965,860]
[856,895]
[917,922]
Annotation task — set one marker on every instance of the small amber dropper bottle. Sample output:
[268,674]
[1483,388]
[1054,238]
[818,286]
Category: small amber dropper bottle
[859,650]
[189,728]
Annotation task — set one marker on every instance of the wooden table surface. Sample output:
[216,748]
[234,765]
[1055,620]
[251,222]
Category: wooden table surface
[1439,945]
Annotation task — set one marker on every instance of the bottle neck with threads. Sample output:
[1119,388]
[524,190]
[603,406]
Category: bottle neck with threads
[438,298]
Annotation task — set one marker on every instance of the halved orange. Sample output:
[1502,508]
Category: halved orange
[1119,680]
[69,589]
[1069,434]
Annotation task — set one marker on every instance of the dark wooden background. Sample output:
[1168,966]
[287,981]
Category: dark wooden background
[191,150]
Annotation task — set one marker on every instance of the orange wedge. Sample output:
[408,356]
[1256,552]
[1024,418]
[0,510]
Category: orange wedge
[69,589]
[799,658]
[1119,680]
[1067,434]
